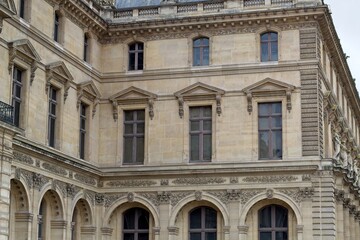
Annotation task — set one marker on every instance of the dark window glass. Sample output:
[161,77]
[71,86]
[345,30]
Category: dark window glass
[273,223]
[203,224]
[41,220]
[136,56]
[201,52]
[134,136]
[269,46]
[136,224]
[270,131]
[83,108]
[22,9]
[86,48]
[52,116]
[56,27]
[16,94]
[200,133]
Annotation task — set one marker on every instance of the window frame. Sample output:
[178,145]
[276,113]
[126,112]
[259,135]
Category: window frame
[136,53]
[268,43]
[17,84]
[270,129]
[53,101]
[273,229]
[203,230]
[57,27]
[201,133]
[86,53]
[201,48]
[83,134]
[135,136]
[136,229]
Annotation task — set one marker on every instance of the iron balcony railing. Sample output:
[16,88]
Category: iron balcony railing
[6,113]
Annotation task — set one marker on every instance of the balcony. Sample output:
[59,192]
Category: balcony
[6,113]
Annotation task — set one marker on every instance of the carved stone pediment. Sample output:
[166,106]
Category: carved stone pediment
[89,91]
[23,50]
[7,9]
[269,87]
[199,91]
[59,72]
[133,95]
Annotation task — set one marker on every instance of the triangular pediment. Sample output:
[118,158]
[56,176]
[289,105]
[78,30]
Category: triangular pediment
[268,85]
[90,88]
[25,47]
[133,93]
[199,89]
[7,8]
[59,68]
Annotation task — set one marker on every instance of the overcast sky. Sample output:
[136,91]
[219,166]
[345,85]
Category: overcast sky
[345,14]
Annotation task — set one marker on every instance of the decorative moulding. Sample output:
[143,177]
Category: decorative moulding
[23,50]
[7,9]
[89,91]
[133,95]
[268,88]
[59,72]
[199,91]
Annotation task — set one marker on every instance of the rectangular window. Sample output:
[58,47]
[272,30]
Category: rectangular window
[16,94]
[22,8]
[52,116]
[200,134]
[83,124]
[134,136]
[86,48]
[56,27]
[270,131]
[136,56]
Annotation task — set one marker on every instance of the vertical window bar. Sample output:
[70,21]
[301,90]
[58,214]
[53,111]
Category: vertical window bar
[16,94]
[83,124]
[56,27]
[52,116]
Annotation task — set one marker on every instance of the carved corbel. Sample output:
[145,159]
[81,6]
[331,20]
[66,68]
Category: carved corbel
[181,107]
[49,76]
[218,104]
[115,109]
[288,100]
[96,102]
[12,56]
[34,66]
[249,102]
[151,108]
[66,91]
[80,93]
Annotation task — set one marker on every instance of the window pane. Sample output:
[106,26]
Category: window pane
[195,219]
[195,236]
[276,107]
[140,128]
[143,236]
[264,52]
[143,219]
[196,57]
[263,123]
[207,111]
[140,46]
[129,236]
[140,61]
[276,122]
[264,37]
[139,150]
[210,218]
[205,60]
[281,236]
[129,128]
[132,47]
[129,115]
[82,123]
[128,146]
[263,109]
[197,42]
[52,108]
[140,115]
[52,132]
[129,219]
[207,147]
[210,236]
[18,91]
[131,61]
[274,51]
[281,215]
[207,125]
[194,126]
[264,144]
[194,152]
[265,217]
[194,112]
[273,36]
[205,41]
[277,144]
[265,236]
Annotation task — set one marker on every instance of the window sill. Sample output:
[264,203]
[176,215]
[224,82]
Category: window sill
[134,72]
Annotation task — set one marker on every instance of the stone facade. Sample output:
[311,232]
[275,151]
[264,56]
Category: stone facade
[57,192]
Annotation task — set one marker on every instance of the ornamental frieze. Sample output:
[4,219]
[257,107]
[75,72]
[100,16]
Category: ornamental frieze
[226,196]
[246,195]
[85,179]
[299,195]
[20,157]
[90,196]
[38,181]
[54,169]
[111,198]
[131,183]
[198,181]
[270,179]
[176,197]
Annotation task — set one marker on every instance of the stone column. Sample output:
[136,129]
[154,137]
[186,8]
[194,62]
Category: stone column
[6,156]
[58,229]
[23,221]
[226,230]
[243,231]
[88,233]
[106,233]
[299,230]
[173,233]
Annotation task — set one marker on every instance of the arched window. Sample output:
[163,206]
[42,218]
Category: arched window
[273,223]
[203,224]
[201,52]
[136,224]
[136,56]
[269,46]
